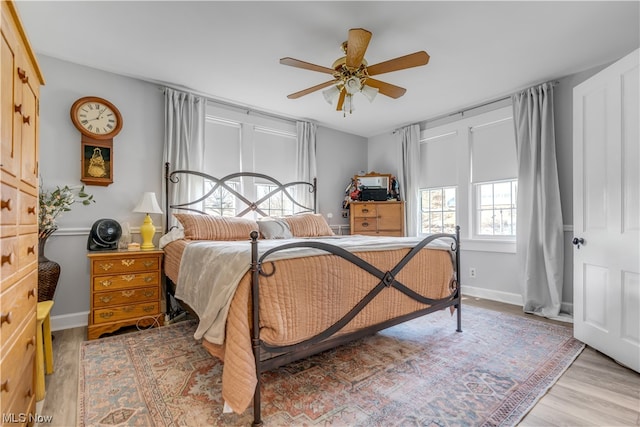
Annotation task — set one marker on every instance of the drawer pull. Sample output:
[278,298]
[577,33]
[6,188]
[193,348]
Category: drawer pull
[149,308]
[106,299]
[7,259]
[107,315]
[31,293]
[128,309]
[149,293]
[128,294]
[5,204]
[365,224]
[5,386]
[26,119]
[31,210]
[107,266]
[128,277]
[106,283]
[17,108]
[6,317]
[148,279]
[22,74]
[128,262]
[32,342]
[148,263]
[31,250]
[365,210]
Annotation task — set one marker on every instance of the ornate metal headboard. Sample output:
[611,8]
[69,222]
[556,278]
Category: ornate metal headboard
[245,204]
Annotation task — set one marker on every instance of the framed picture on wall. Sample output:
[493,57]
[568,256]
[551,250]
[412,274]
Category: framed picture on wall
[97,162]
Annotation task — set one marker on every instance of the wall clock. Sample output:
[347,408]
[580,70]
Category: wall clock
[98,121]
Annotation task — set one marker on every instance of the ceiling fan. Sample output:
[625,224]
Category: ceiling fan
[352,74]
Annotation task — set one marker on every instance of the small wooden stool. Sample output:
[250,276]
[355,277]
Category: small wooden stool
[44,347]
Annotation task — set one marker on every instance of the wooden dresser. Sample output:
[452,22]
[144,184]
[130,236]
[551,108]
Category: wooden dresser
[20,80]
[377,218]
[125,290]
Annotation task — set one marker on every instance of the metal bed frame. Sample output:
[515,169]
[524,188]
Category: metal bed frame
[282,355]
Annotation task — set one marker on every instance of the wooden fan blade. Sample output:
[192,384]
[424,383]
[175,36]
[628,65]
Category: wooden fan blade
[387,89]
[306,65]
[408,61]
[311,89]
[356,46]
[343,93]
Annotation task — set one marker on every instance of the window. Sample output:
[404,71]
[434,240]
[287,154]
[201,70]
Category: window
[278,204]
[496,208]
[221,202]
[438,210]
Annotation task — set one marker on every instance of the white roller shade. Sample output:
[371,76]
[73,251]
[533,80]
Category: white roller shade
[493,151]
[275,153]
[222,147]
[438,161]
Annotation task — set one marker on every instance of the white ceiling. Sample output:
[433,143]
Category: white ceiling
[479,50]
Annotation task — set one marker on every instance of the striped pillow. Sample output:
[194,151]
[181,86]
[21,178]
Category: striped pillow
[209,227]
[308,225]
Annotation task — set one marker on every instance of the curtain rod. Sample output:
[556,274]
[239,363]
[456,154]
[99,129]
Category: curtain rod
[243,108]
[484,104]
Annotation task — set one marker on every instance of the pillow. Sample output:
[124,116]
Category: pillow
[209,227]
[274,228]
[309,225]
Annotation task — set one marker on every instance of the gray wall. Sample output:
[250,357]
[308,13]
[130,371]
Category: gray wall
[137,152]
[496,272]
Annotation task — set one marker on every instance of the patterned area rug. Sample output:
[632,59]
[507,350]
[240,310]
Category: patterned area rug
[419,373]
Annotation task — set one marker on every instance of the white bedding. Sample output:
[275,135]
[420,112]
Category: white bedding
[211,270]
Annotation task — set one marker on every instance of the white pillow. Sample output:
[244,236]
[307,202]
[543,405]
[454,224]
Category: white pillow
[274,228]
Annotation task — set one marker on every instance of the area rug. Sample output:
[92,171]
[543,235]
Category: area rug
[419,373]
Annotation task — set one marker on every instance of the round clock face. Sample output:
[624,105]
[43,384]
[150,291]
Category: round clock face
[96,117]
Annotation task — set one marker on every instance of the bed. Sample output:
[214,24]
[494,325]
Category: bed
[268,291]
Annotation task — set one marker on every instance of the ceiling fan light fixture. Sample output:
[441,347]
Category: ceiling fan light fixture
[331,94]
[353,85]
[369,92]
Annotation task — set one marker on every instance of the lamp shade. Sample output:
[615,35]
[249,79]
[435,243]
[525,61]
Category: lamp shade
[148,204]
[331,94]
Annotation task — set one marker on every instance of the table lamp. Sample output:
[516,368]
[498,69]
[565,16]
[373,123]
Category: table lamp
[148,204]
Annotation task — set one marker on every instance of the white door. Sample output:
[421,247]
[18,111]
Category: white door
[606,210]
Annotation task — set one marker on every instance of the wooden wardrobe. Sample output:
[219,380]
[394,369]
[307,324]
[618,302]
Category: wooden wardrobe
[20,81]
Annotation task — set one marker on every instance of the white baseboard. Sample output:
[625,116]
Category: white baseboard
[68,321]
[492,295]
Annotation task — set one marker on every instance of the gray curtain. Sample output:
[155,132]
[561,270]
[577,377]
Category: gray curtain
[184,140]
[306,158]
[539,246]
[408,175]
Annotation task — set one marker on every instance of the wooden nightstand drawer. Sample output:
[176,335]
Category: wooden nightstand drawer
[125,312]
[364,210]
[125,281]
[364,225]
[125,296]
[125,264]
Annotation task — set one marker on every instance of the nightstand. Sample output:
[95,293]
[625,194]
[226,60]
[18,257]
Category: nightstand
[125,290]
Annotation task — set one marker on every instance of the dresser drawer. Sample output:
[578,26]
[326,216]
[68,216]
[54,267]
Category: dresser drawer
[28,209]
[125,281]
[105,315]
[27,249]
[365,210]
[23,397]
[8,204]
[18,303]
[18,358]
[125,265]
[125,296]
[364,225]
[8,258]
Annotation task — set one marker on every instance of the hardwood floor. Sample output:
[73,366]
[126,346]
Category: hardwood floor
[594,391]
